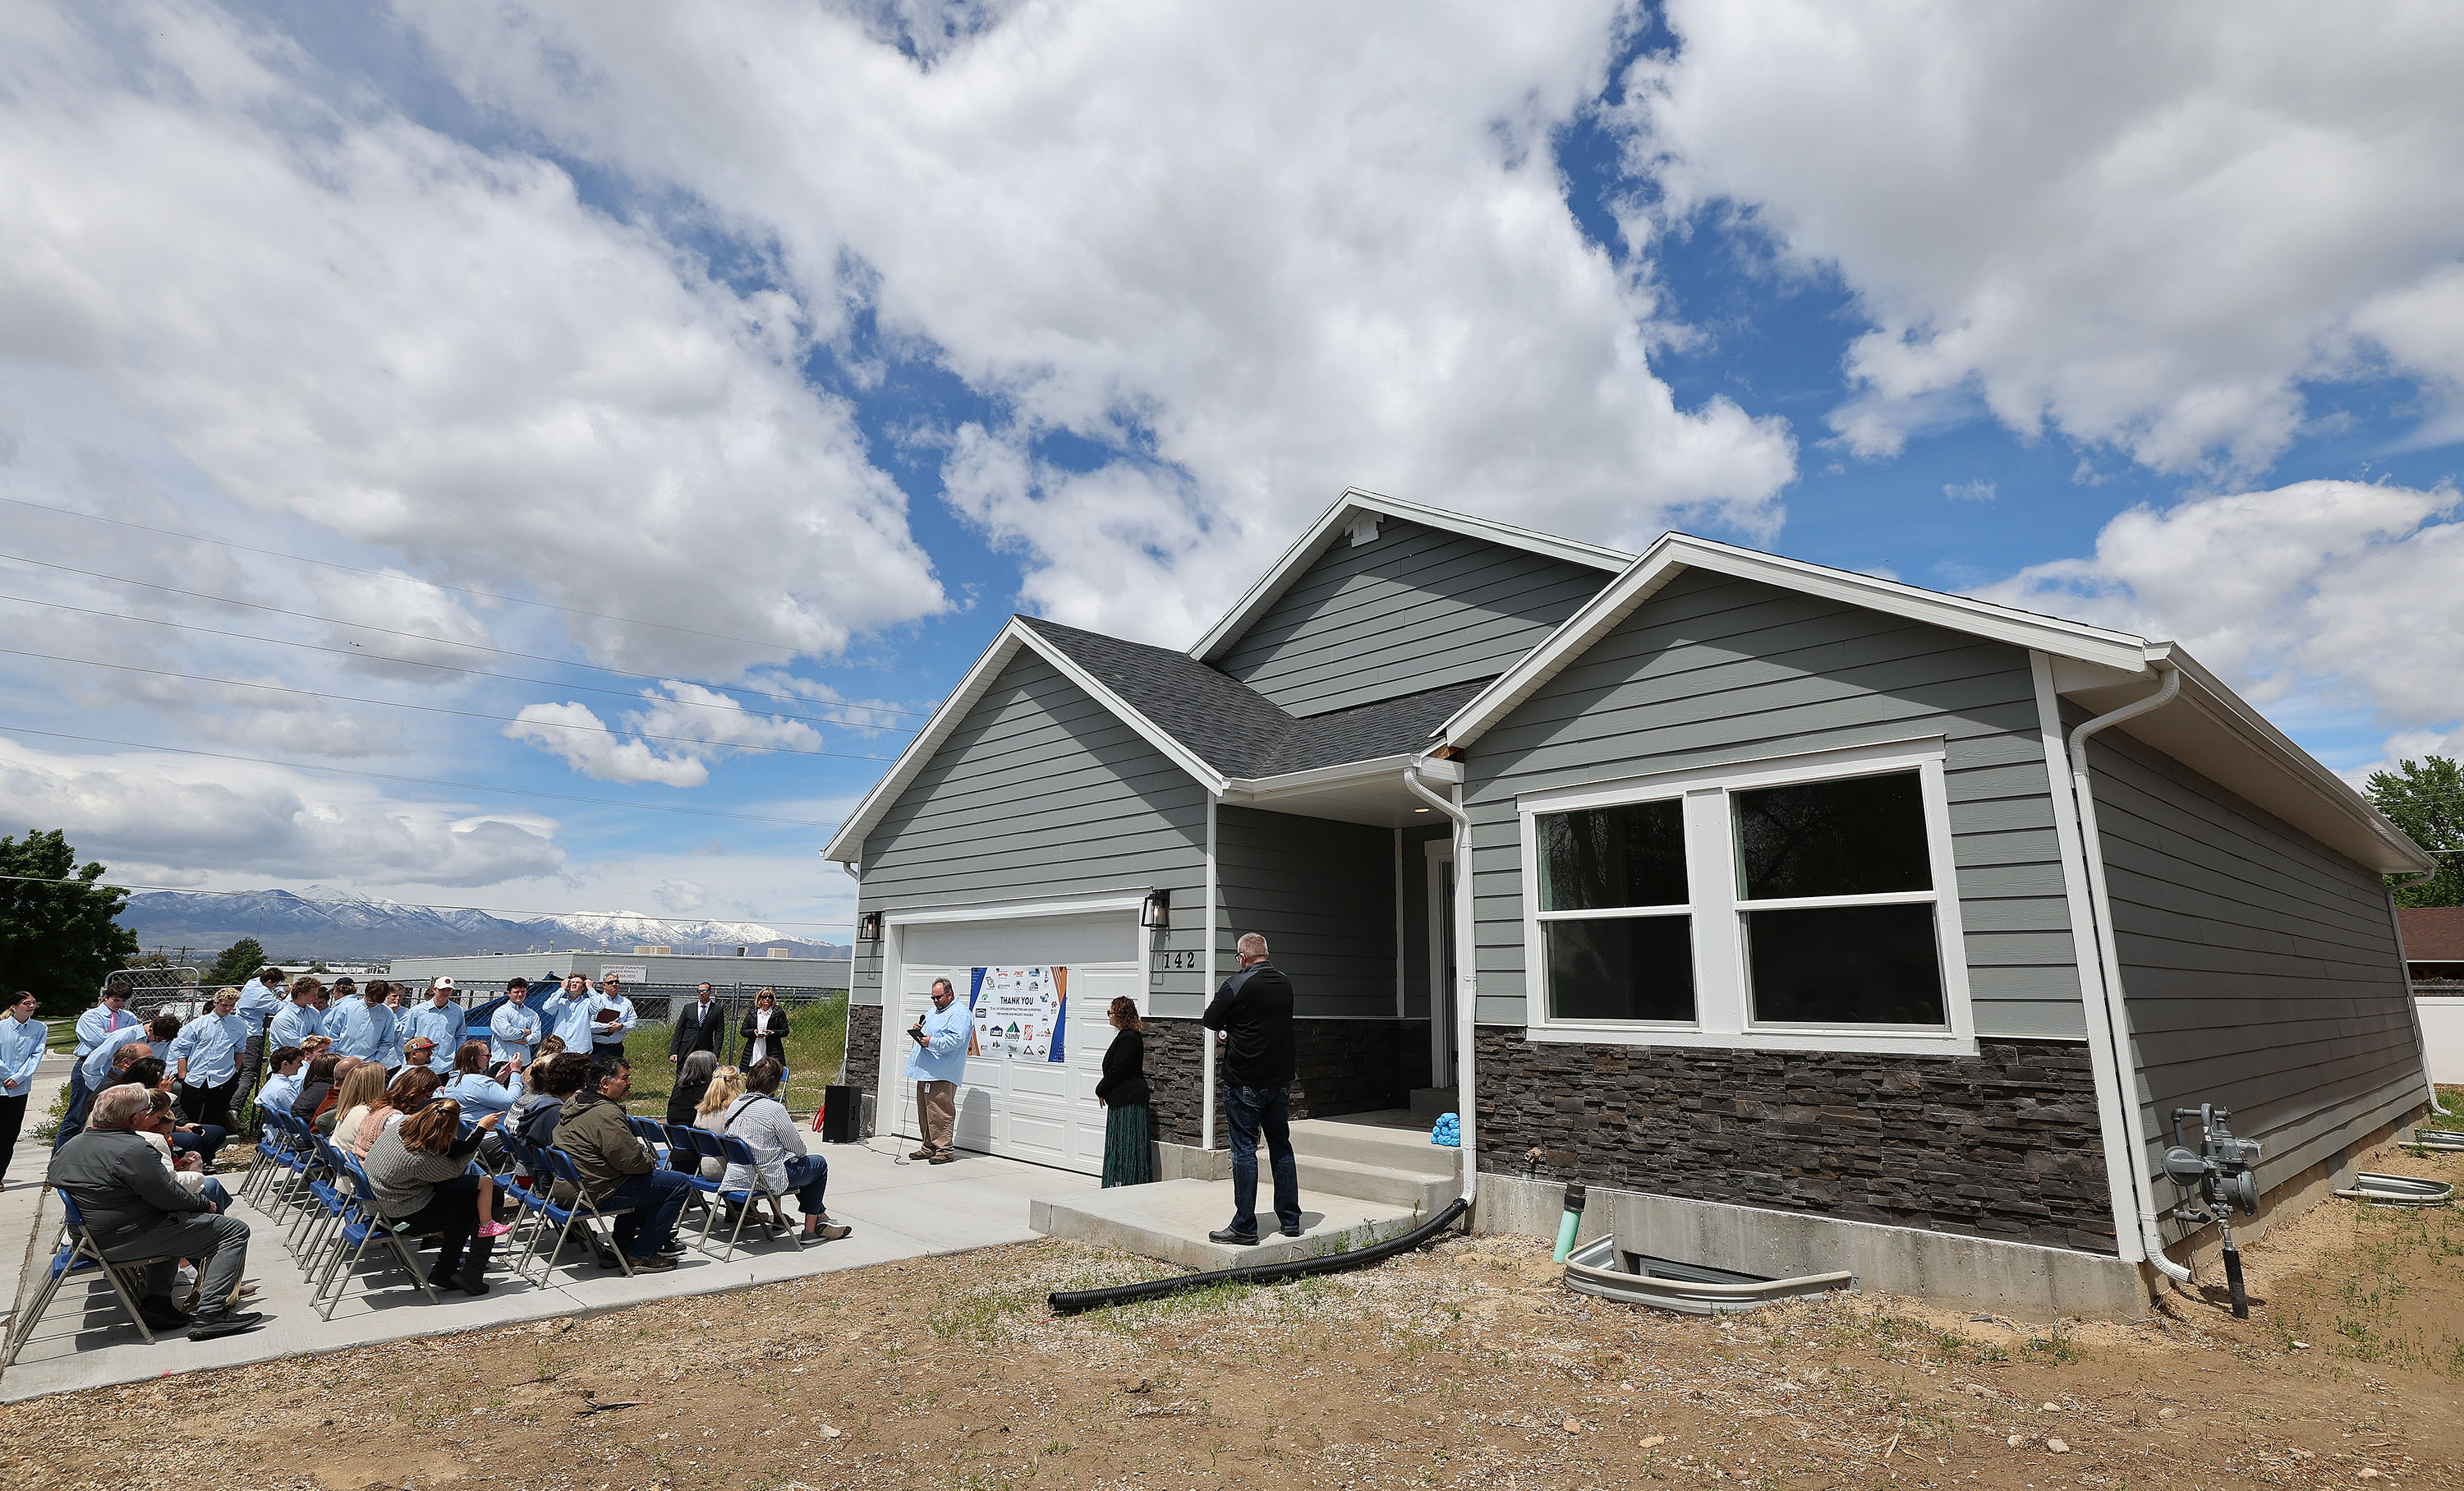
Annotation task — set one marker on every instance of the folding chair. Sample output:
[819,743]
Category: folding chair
[552,1165]
[276,1159]
[735,1151]
[78,1253]
[684,1157]
[361,1224]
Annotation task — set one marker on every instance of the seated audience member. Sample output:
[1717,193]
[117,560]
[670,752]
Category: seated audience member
[318,1085]
[693,1080]
[111,1054]
[362,1089]
[532,1119]
[762,1122]
[417,1173]
[618,1169]
[282,1088]
[157,1127]
[475,1085]
[726,1085]
[413,1088]
[136,1210]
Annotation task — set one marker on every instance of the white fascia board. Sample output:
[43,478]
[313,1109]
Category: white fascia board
[1674,553]
[1377,769]
[847,843]
[1332,523]
[2209,693]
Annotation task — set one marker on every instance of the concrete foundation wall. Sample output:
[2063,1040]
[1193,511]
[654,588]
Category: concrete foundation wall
[2013,1279]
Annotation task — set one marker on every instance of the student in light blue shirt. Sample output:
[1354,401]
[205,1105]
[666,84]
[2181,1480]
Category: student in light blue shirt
[204,1060]
[282,1088]
[515,1028]
[361,1024]
[259,1002]
[96,1067]
[110,1015]
[472,1086]
[303,1017]
[440,1019]
[568,1010]
[22,1039]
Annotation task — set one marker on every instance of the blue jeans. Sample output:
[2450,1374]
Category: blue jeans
[80,1096]
[808,1176]
[656,1198]
[1250,1110]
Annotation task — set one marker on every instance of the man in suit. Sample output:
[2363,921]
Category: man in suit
[700,1026]
[1251,1016]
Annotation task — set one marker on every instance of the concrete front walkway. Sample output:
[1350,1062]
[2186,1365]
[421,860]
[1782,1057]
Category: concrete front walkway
[897,1211]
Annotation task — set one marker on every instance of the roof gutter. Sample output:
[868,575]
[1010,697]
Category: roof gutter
[2108,971]
[1467,978]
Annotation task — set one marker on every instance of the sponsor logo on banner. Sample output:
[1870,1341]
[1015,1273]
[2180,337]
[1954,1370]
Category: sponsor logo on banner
[1020,1011]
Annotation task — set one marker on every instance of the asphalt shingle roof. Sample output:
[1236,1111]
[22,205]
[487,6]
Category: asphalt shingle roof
[1237,730]
[2432,934]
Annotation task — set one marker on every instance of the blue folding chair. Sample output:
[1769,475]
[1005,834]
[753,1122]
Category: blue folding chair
[79,1254]
[552,1165]
[361,1224]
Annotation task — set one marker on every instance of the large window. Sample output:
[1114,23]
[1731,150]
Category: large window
[1615,923]
[1803,904]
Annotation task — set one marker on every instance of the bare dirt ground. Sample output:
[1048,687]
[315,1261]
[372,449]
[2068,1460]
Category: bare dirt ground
[1466,1364]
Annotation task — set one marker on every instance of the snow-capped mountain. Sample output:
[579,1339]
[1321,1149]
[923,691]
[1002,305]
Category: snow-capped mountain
[324,922]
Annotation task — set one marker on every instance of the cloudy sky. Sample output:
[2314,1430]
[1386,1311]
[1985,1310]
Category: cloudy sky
[548,456]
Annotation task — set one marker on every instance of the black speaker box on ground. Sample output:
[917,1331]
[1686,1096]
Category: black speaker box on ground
[842,1114]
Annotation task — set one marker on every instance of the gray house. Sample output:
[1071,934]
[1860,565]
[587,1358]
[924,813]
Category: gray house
[1804,915]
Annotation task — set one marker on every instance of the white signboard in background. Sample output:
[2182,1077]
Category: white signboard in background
[1019,1012]
[634,975]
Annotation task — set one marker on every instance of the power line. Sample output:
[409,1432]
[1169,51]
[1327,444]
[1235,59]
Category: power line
[439,584]
[502,911]
[364,656]
[415,636]
[389,776]
[436,709]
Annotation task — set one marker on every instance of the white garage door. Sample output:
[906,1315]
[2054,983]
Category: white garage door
[1042,1111]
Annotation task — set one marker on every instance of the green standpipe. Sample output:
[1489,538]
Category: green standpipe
[1570,1222]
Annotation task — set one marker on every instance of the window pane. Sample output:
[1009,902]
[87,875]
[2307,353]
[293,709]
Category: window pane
[1846,966]
[1621,969]
[1857,836]
[1633,855]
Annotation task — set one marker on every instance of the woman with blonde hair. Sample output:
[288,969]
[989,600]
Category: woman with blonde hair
[360,1092]
[410,1091]
[726,1085]
[1129,1125]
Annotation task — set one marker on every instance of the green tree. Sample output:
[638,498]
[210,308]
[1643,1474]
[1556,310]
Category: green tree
[59,932]
[237,967]
[2426,799]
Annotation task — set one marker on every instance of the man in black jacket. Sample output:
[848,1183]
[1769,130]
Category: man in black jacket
[135,1210]
[1252,1015]
[699,1026]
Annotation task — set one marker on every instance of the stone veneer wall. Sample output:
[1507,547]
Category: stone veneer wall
[2002,1145]
[864,1047]
[1340,1066]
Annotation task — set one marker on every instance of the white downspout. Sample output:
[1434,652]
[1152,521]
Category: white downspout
[1467,978]
[2143,1185]
[2412,1001]
[1206,992]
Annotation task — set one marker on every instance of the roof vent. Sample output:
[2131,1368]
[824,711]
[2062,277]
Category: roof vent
[1364,529]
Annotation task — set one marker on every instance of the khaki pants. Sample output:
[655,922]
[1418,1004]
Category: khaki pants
[936,1109]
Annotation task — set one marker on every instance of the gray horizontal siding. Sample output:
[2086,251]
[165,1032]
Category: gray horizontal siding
[1417,609]
[1040,791]
[1322,893]
[1713,670]
[2260,970]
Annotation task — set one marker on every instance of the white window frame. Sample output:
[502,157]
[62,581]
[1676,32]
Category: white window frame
[1718,906]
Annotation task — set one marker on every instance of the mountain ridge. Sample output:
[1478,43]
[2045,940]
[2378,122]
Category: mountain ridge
[322,922]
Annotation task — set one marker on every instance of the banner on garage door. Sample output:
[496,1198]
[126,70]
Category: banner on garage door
[1019,1012]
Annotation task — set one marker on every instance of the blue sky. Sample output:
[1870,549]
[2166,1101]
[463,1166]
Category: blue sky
[786,348]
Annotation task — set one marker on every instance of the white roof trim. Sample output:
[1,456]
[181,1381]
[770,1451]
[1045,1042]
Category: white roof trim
[1674,553]
[1346,771]
[847,845]
[1336,522]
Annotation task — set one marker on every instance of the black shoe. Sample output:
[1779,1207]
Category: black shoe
[229,1322]
[1225,1234]
[162,1315]
[658,1263]
[672,1248]
[1291,1232]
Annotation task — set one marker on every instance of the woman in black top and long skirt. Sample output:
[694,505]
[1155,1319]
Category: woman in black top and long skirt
[1129,1128]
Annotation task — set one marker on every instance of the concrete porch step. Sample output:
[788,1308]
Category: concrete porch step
[1394,1140]
[1169,1220]
[1321,1175]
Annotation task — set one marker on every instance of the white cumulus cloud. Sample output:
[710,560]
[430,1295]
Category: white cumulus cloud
[670,742]
[2142,226]
[1251,253]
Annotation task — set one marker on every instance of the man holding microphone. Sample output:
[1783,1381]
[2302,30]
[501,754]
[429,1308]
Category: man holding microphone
[938,1061]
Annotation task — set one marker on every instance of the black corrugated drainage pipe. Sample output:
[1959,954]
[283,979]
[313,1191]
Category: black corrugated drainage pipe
[1073,1301]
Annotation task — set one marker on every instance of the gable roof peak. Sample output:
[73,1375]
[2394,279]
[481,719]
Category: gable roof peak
[1333,525]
